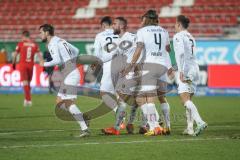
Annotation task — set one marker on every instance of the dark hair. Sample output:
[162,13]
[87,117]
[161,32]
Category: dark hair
[123,20]
[106,20]
[26,33]
[183,20]
[47,28]
[151,17]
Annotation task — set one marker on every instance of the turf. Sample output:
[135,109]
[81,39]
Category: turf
[36,133]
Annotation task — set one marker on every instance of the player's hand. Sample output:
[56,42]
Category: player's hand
[171,73]
[126,70]
[14,66]
[168,48]
[93,66]
[181,76]
[41,63]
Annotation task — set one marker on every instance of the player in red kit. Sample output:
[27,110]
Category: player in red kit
[27,50]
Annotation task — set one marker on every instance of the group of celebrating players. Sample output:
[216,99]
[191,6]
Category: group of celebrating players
[135,72]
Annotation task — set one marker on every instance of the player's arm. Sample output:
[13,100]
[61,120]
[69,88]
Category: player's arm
[179,54]
[171,70]
[14,59]
[168,46]
[39,54]
[55,58]
[40,57]
[139,48]
[14,55]
[97,47]
[136,56]
[97,52]
[137,52]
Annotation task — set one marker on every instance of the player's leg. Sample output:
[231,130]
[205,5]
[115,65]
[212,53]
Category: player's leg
[150,114]
[25,82]
[193,113]
[120,116]
[166,112]
[68,94]
[162,90]
[27,95]
[131,119]
[70,106]
[29,74]
[119,119]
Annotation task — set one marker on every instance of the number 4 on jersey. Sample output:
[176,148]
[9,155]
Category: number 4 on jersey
[157,38]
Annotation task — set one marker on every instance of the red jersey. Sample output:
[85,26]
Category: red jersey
[27,50]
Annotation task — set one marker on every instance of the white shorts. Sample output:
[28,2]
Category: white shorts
[186,87]
[106,81]
[68,88]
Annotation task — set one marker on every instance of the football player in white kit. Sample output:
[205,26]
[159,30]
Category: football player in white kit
[151,43]
[188,72]
[126,46]
[104,46]
[64,54]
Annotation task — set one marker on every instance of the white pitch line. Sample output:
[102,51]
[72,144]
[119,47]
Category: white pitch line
[62,130]
[106,143]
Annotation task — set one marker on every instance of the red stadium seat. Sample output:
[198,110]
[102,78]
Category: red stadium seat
[16,15]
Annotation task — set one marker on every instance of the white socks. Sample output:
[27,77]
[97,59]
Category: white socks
[166,113]
[74,110]
[189,119]
[193,112]
[144,115]
[150,115]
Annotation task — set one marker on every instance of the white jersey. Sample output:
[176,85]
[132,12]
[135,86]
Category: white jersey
[155,40]
[61,51]
[105,44]
[127,45]
[184,47]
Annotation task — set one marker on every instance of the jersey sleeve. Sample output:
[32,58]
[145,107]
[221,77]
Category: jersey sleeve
[97,47]
[55,57]
[167,38]
[139,37]
[179,51]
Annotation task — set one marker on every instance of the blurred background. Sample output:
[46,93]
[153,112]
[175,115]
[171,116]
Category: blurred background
[214,23]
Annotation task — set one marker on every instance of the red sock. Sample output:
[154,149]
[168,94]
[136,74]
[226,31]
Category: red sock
[27,93]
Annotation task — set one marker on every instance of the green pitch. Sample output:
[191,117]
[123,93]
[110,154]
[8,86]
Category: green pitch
[36,133]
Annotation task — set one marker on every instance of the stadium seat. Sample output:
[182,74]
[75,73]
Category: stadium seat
[81,18]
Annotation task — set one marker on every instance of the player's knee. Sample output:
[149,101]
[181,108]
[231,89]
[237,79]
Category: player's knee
[162,99]
[141,100]
[184,98]
[151,99]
